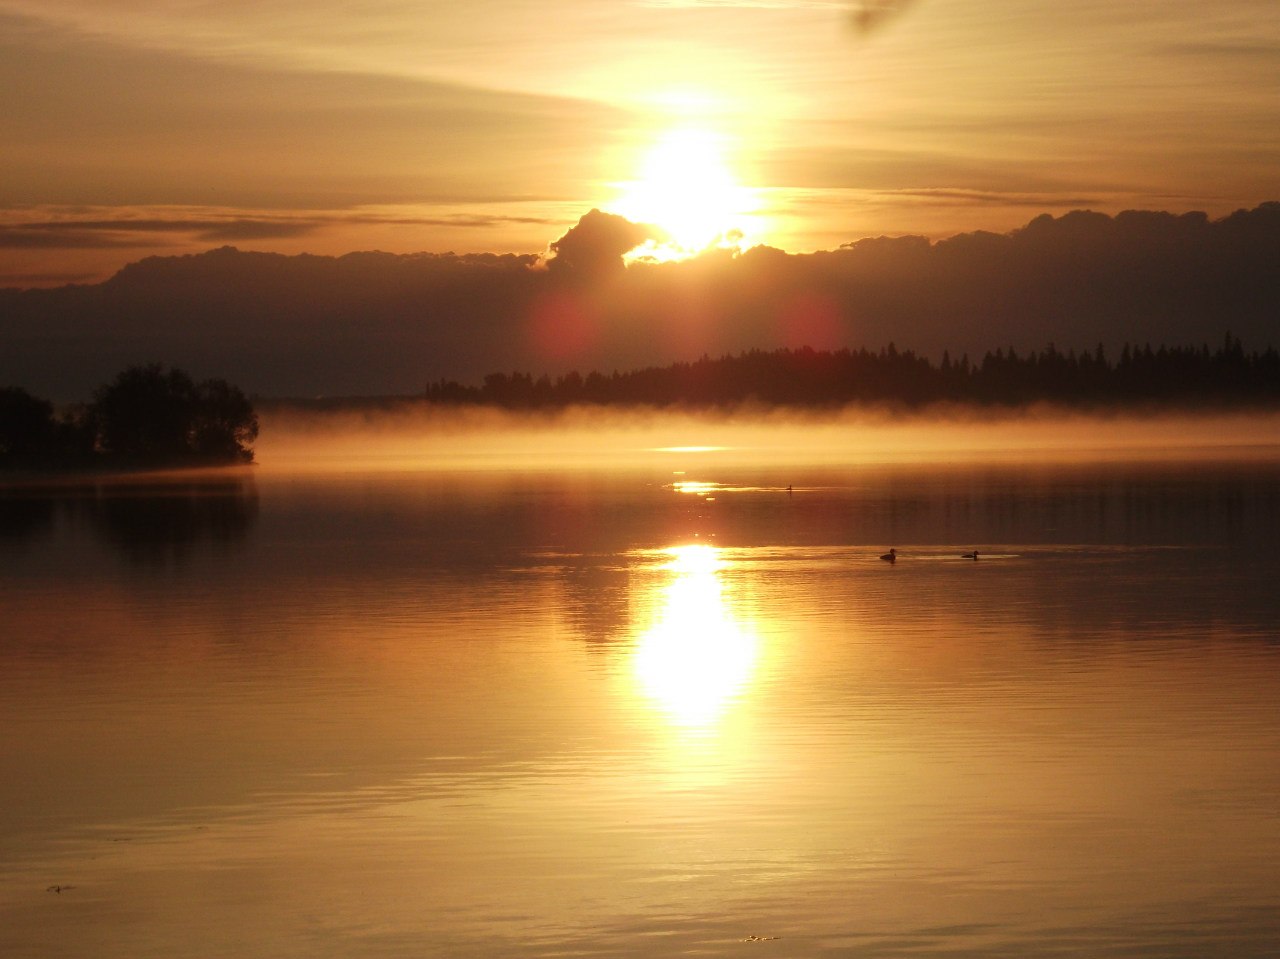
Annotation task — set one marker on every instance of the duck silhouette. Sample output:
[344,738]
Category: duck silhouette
[891,556]
[973,555]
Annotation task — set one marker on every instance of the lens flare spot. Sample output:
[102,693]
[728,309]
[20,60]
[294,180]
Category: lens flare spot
[562,326]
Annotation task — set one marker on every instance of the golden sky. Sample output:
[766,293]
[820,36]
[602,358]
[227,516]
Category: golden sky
[134,127]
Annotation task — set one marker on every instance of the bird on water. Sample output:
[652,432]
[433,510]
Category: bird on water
[891,556]
[973,555]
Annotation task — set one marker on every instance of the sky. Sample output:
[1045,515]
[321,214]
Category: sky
[138,127]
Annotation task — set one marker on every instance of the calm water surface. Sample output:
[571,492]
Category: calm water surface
[644,713]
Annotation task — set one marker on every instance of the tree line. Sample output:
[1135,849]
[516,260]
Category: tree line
[148,416]
[807,377]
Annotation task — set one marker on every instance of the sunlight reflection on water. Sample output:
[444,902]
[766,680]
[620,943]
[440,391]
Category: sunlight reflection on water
[540,715]
[696,657]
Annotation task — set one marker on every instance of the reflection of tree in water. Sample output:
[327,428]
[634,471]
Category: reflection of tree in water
[23,516]
[149,522]
[597,601]
[159,523]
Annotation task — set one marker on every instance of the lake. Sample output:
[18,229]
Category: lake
[676,708]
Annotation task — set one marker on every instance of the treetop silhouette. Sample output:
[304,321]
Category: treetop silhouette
[147,416]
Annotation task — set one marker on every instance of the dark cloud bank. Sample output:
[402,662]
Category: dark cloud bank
[375,323]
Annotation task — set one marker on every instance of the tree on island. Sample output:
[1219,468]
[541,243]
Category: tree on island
[32,435]
[26,423]
[146,416]
[149,413]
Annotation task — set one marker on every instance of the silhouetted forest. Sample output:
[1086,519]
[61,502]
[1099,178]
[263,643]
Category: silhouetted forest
[148,416]
[808,378]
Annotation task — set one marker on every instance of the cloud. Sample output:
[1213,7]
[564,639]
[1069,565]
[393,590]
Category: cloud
[257,230]
[476,220]
[53,230]
[122,224]
[129,232]
[24,238]
[598,242]
[960,197]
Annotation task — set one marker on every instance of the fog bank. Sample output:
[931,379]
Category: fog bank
[471,438]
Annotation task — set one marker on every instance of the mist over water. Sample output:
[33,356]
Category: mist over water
[417,436]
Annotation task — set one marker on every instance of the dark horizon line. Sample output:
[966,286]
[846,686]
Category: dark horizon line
[806,377]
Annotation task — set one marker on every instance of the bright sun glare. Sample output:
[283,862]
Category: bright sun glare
[697,657]
[685,186]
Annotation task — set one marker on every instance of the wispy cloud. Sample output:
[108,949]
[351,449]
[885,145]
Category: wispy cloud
[92,230]
[478,221]
[25,238]
[257,230]
[79,234]
[961,197]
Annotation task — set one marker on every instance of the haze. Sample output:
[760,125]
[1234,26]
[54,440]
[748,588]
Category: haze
[585,438]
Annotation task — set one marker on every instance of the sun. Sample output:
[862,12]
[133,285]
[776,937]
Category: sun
[684,185]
